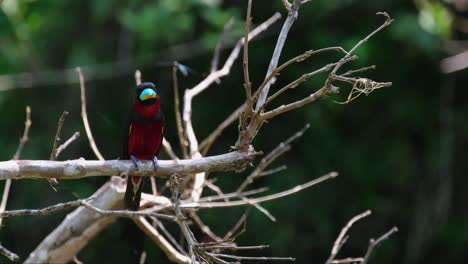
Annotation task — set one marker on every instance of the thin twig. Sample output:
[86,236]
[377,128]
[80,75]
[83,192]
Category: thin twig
[168,235]
[373,243]
[270,157]
[347,261]
[204,228]
[219,45]
[180,128]
[251,258]
[286,4]
[180,218]
[142,258]
[162,243]
[137,77]
[292,16]
[260,208]
[127,213]
[363,69]
[205,145]
[236,227]
[22,142]
[168,148]
[234,248]
[43,211]
[24,138]
[7,253]
[53,154]
[247,84]
[76,260]
[340,240]
[62,147]
[299,58]
[84,116]
[270,197]
[272,171]
[232,195]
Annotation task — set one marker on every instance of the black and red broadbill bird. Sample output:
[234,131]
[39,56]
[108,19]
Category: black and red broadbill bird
[144,137]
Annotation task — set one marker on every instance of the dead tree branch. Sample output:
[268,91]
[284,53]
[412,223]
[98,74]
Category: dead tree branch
[75,169]
[84,116]
[22,141]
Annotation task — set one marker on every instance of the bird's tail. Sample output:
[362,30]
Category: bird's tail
[133,192]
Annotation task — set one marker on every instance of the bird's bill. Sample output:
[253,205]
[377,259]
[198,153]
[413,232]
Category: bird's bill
[148,93]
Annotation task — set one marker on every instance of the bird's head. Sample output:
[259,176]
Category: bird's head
[147,93]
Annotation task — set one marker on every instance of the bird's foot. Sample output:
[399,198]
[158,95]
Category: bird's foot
[135,161]
[155,163]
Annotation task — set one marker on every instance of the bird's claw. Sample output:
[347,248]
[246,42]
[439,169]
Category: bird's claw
[155,163]
[135,161]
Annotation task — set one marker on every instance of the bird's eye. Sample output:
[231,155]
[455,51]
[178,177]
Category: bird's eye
[147,93]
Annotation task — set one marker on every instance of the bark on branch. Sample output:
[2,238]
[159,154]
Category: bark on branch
[75,169]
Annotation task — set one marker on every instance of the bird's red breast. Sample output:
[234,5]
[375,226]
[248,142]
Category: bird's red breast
[144,139]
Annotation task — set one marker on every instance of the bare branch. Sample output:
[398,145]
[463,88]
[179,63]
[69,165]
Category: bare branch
[162,243]
[219,45]
[205,145]
[296,59]
[203,227]
[168,148]
[292,16]
[24,138]
[260,208]
[199,178]
[79,226]
[347,261]
[7,253]
[62,147]
[274,196]
[168,235]
[234,229]
[234,248]
[247,84]
[189,237]
[142,258]
[53,154]
[286,4]
[127,213]
[373,243]
[42,211]
[454,63]
[74,169]
[232,195]
[22,142]
[340,240]
[272,171]
[84,116]
[180,128]
[270,157]
[137,77]
[363,69]
[251,258]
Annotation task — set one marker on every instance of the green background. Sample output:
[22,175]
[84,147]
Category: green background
[399,152]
